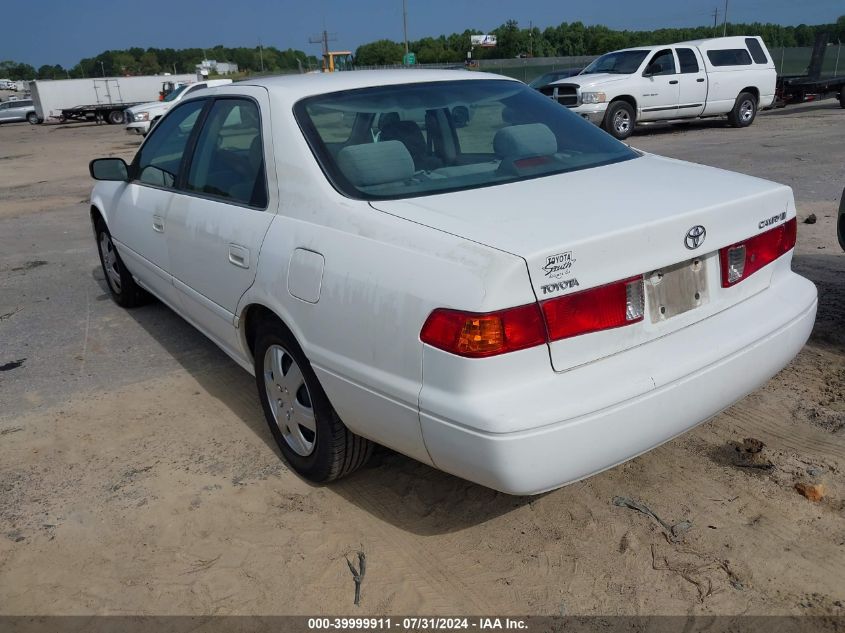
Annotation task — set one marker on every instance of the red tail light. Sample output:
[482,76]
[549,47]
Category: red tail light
[478,335]
[741,260]
[603,308]
[475,335]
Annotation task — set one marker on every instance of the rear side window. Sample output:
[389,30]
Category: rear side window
[689,63]
[756,50]
[161,155]
[729,57]
[228,161]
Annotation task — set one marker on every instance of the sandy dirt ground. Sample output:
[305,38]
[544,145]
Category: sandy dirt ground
[137,475]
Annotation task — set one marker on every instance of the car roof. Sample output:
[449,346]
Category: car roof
[298,86]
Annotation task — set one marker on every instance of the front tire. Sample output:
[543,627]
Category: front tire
[620,119]
[122,287]
[307,429]
[744,111]
[32,118]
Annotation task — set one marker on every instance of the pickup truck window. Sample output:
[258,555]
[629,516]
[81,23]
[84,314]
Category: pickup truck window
[756,50]
[729,57]
[423,139]
[663,63]
[689,62]
[175,93]
[620,63]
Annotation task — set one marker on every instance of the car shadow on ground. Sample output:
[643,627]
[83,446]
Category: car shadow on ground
[810,106]
[392,487]
[827,271]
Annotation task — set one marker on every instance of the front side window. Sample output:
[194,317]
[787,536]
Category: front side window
[663,63]
[689,63]
[729,57]
[428,138]
[159,158]
[228,161]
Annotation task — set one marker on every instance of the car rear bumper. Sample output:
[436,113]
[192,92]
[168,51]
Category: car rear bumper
[691,375]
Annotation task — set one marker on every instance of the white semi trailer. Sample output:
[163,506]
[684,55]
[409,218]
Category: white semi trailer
[100,99]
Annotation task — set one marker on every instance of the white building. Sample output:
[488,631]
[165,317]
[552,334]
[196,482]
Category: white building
[212,66]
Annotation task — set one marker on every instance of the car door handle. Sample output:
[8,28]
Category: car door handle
[700,80]
[158,224]
[239,256]
[674,81]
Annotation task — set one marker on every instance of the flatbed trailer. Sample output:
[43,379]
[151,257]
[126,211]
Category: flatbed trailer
[112,113]
[98,99]
[812,86]
[801,88]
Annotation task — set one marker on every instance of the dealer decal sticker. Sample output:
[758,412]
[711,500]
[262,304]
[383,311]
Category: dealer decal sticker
[558,265]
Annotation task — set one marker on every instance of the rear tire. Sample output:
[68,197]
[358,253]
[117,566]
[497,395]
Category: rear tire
[115,117]
[620,120]
[744,111]
[122,287]
[842,97]
[32,118]
[308,431]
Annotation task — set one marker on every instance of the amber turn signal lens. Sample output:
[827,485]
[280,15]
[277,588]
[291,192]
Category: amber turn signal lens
[478,335]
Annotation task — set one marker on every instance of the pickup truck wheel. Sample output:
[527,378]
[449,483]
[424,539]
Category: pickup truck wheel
[115,117]
[744,111]
[32,118]
[619,120]
[122,287]
[308,431]
[842,97]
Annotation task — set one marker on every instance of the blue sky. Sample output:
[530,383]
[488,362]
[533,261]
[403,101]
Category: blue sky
[60,31]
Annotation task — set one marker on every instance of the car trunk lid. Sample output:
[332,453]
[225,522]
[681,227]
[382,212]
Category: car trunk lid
[591,227]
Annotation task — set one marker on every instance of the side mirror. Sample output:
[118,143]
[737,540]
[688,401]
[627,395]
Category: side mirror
[109,169]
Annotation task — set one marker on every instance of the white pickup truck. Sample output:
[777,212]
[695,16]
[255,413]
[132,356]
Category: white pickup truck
[733,76]
[141,118]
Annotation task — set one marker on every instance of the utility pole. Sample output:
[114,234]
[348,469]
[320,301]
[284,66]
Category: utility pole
[530,38]
[324,38]
[715,21]
[725,23]
[405,23]
[103,69]
[261,54]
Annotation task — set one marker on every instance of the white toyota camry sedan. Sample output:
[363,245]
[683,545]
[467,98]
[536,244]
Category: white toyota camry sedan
[452,265]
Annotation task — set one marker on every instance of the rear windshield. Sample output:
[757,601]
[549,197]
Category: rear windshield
[427,138]
[756,51]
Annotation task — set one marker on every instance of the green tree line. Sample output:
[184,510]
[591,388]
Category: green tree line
[555,41]
[577,39]
[150,61]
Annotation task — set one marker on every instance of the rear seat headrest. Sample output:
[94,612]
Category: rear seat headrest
[376,163]
[531,139]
